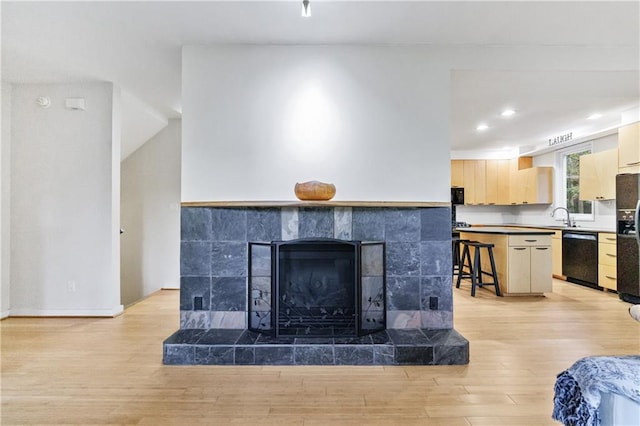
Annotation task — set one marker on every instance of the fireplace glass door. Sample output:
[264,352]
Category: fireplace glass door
[318,288]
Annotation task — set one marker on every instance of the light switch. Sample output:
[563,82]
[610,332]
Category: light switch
[75,103]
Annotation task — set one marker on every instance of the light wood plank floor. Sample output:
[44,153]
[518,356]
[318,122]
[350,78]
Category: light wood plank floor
[109,371]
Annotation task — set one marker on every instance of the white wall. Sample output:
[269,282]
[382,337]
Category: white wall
[257,119]
[151,216]
[5,201]
[64,192]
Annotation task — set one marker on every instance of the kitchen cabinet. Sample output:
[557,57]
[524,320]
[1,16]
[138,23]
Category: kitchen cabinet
[530,264]
[502,182]
[556,253]
[629,148]
[497,182]
[533,186]
[469,171]
[457,173]
[523,257]
[481,181]
[504,177]
[598,175]
[607,260]
[474,181]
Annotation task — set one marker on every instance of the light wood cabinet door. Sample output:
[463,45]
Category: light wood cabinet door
[556,253]
[504,179]
[491,182]
[607,254]
[516,186]
[538,183]
[469,167]
[519,270]
[629,148]
[481,182]
[457,173]
[607,277]
[607,261]
[589,186]
[541,275]
[598,175]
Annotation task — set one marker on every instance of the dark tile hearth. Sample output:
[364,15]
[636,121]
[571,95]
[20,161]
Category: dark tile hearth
[245,347]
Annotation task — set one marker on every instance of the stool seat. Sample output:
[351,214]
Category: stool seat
[475,268]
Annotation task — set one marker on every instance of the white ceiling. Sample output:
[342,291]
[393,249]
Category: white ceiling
[137,45]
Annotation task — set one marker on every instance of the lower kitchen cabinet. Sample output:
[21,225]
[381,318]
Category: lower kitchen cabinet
[607,274]
[523,261]
[556,252]
[530,265]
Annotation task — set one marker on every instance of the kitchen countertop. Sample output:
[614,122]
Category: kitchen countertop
[552,227]
[503,230]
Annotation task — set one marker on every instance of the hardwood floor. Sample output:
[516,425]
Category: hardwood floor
[109,371]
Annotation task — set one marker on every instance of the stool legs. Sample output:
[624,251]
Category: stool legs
[494,271]
[465,260]
[476,273]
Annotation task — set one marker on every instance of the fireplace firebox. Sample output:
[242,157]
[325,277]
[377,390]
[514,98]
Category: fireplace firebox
[317,288]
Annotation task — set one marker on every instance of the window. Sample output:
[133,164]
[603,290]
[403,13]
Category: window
[581,210]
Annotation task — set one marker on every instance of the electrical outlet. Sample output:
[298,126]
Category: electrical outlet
[71,286]
[197,303]
[433,303]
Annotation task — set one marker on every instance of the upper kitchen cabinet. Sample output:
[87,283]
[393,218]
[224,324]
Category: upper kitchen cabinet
[502,182]
[598,175]
[534,186]
[474,182]
[629,148]
[457,173]
[498,175]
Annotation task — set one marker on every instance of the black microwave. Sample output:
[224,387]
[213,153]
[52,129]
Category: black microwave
[457,196]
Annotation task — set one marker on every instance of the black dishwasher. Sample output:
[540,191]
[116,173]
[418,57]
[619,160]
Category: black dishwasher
[580,257]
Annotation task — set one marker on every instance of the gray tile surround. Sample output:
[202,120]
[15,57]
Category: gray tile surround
[214,267]
[418,260]
[244,347]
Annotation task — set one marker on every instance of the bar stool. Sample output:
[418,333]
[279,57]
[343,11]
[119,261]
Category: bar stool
[456,258]
[475,269]
[464,261]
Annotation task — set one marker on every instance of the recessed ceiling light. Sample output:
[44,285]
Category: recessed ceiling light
[507,113]
[482,127]
[594,116]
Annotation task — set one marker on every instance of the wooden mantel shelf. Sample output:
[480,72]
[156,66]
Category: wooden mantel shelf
[315,204]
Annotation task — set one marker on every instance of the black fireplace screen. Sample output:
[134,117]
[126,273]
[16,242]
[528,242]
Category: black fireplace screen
[317,287]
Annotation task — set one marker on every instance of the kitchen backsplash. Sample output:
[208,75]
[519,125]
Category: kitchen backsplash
[604,217]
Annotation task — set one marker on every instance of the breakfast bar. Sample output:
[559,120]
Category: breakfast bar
[522,257]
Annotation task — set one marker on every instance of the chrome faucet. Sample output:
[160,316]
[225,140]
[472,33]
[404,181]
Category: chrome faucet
[568,221]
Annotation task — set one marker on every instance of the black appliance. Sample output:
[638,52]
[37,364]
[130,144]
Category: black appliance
[628,261]
[580,257]
[457,196]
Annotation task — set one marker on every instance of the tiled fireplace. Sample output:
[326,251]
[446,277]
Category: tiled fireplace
[216,283]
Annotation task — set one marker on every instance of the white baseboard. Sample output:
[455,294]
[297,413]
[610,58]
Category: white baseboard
[4,314]
[67,312]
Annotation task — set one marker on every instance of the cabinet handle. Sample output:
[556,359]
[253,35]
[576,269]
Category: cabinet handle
[525,202]
[633,164]
[542,248]
[611,278]
[610,239]
[610,255]
[531,241]
[519,248]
